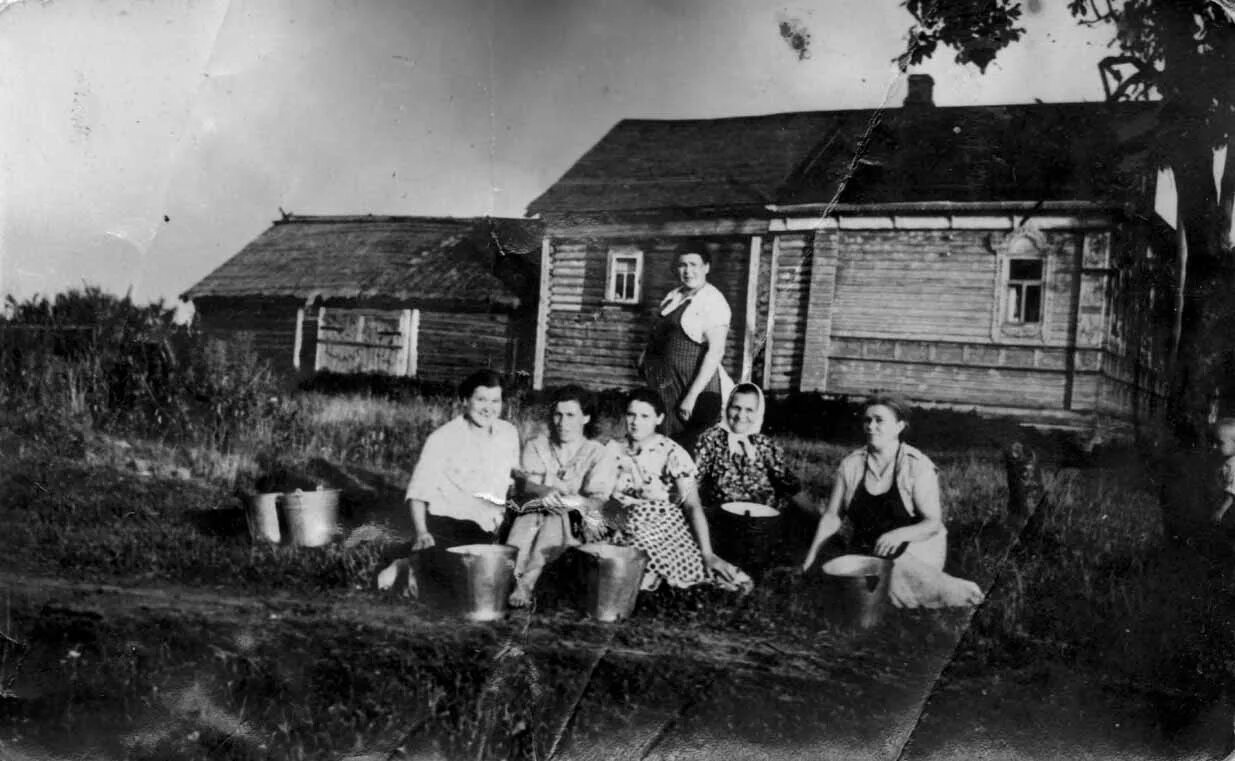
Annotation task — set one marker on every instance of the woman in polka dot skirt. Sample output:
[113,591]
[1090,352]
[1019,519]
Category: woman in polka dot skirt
[654,492]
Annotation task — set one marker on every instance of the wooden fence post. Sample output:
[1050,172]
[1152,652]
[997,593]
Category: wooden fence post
[1025,491]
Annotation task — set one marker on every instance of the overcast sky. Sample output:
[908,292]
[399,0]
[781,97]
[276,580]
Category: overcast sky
[143,142]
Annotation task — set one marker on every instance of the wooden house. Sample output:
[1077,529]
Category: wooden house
[425,297]
[998,258]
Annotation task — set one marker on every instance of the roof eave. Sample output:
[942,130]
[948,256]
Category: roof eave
[939,207]
[510,302]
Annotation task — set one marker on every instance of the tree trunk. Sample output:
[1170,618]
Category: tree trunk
[1199,278]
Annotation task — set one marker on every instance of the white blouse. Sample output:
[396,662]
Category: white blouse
[707,310]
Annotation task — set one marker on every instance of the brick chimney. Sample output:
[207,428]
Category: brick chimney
[921,91]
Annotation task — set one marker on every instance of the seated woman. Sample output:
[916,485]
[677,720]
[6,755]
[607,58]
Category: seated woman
[457,493]
[737,463]
[570,475]
[655,486]
[890,493]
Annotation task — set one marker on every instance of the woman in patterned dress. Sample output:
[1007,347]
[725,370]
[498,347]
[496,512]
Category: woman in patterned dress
[569,475]
[737,463]
[655,487]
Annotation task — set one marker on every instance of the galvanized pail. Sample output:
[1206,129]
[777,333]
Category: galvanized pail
[613,578]
[749,533]
[312,517]
[859,586]
[486,579]
[262,515]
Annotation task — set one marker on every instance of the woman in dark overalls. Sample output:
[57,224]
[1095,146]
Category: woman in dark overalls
[682,360]
[889,492]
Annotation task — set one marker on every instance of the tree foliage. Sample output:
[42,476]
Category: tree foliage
[976,29]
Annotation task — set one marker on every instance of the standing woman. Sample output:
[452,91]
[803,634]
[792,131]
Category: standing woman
[653,496]
[682,360]
[889,491]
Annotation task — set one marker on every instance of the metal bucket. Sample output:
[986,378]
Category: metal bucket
[859,585]
[312,517]
[486,580]
[613,578]
[749,533]
[262,515]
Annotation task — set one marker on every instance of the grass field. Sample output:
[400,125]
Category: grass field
[229,650]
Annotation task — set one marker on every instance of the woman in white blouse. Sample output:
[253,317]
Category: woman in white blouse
[682,360]
[457,493]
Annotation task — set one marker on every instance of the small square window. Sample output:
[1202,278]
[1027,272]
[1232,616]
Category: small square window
[625,276]
[1024,292]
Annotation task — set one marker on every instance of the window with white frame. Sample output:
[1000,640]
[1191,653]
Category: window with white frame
[1022,299]
[625,276]
[1023,296]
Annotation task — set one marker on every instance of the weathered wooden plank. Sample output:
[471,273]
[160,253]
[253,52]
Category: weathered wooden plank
[952,385]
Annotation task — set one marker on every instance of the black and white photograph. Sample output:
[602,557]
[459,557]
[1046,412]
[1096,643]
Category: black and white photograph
[661,380]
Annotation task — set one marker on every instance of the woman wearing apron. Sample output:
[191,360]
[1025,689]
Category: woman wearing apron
[682,360]
[890,493]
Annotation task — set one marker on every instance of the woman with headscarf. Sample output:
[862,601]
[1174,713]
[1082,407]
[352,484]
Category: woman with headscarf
[737,463]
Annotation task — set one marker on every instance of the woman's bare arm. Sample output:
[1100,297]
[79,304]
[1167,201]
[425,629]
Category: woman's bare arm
[715,340]
[420,510]
[829,522]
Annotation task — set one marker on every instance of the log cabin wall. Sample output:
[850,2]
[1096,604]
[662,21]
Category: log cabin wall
[914,311]
[592,341]
[269,324]
[921,313]
[454,344]
[918,312]
[430,345]
[787,260]
[448,345]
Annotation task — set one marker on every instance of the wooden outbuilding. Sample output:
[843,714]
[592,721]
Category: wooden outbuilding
[998,258]
[426,297]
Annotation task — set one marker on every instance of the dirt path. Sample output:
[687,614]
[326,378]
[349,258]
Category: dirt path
[699,694]
[770,657]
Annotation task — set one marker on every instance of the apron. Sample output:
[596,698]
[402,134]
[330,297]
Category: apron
[669,367]
[917,579]
[874,515]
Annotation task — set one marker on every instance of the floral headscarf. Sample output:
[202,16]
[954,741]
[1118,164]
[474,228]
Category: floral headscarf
[740,443]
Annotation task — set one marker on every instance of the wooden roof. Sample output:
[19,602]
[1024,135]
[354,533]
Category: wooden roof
[476,262]
[1033,152]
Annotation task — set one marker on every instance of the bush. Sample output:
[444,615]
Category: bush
[99,360]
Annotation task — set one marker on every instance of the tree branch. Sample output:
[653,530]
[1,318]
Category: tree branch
[1146,75]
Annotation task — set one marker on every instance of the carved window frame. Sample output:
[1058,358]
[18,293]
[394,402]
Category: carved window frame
[633,294]
[1024,243]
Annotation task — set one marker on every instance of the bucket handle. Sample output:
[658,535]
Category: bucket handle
[894,554]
